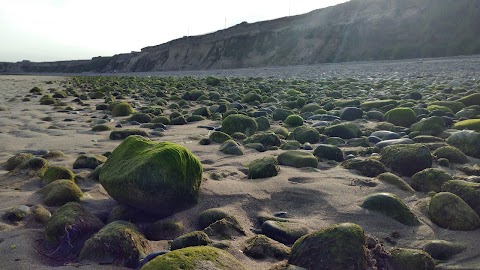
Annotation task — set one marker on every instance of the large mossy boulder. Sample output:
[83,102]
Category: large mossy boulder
[404,117]
[337,247]
[59,192]
[193,258]
[453,154]
[263,168]
[297,159]
[449,211]
[406,159]
[392,206]
[470,124]
[70,226]
[411,259]
[329,152]
[343,130]
[468,191]
[122,109]
[428,126]
[306,134]
[261,247]
[467,141]
[119,243]
[430,179]
[366,167]
[239,123]
[160,178]
[57,172]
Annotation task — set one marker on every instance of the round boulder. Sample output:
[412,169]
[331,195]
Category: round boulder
[406,159]
[158,178]
[449,211]
[467,141]
[430,179]
[392,206]
[239,123]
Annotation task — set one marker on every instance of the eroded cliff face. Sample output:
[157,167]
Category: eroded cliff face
[353,31]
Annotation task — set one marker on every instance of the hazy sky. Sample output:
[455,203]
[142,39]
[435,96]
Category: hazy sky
[50,30]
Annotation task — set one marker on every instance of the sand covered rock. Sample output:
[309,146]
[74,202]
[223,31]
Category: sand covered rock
[118,243]
[158,178]
[260,247]
[449,211]
[284,231]
[192,258]
[430,179]
[392,206]
[337,247]
[406,159]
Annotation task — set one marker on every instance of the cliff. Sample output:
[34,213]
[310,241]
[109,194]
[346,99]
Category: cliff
[354,31]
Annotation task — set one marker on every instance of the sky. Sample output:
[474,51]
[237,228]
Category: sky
[52,30]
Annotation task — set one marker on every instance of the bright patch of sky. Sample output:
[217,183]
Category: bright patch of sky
[51,30]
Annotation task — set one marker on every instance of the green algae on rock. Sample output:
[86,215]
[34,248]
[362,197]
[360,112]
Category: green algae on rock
[284,231]
[449,211]
[158,178]
[219,137]
[367,167]
[89,161]
[260,247]
[71,223]
[452,154]
[442,250]
[122,109]
[59,192]
[345,130]
[468,191]
[430,179]
[57,172]
[294,120]
[239,123]
[118,243]
[211,215]
[230,147]
[392,206]
[263,168]
[123,134]
[470,124]
[16,160]
[467,141]
[428,126]
[404,117]
[337,247]
[395,180]
[192,258]
[305,134]
[410,259]
[164,229]
[406,159]
[195,238]
[297,159]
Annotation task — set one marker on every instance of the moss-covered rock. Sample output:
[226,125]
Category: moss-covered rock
[294,120]
[179,120]
[89,161]
[473,99]
[202,111]
[123,134]
[304,134]
[430,179]
[57,172]
[442,250]
[164,229]
[470,124]
[260,247]
[225,228]
[219,137]
[281,131]
[193,258]
[34,166]
[281,114]
[366,167]
[468,191]
[452,154]
[351,113]
[101,127]
[392,206]
[263,168]
[194,118]
[291,145]
[119,243]
[329,152]
[406,159]
[230,147]
[59,192]
[410,259]
[16,160]
[454,106]
[161,120]
[210,216]
[395,180]
[141,118]
[70,226]
[41,214]
[267,139]
[404,117]
[263,123]
[239,123]
[297,159]
[467,141]
[122,109]
[159,178]
[449,211]
[191,239]
[429,126]
[284,231]
[337,247]
[377,104]
[343,130]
